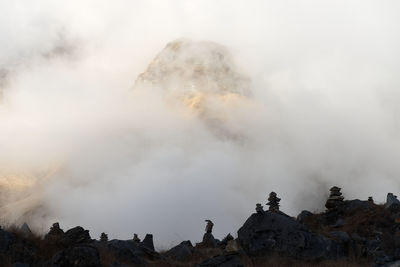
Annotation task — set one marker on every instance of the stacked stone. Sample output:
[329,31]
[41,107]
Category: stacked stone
[370,199]
[55,229]
[136,238]
[335,198]
[209,226]
[208,238]
[259,208]
[55,233]
[273,202]
[103,237]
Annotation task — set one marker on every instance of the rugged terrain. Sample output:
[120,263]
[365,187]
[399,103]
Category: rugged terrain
[349,233]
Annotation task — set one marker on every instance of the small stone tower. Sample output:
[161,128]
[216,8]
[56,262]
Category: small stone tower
[259,208]
[273,202]
[335,198]
[103,237]
[136,238]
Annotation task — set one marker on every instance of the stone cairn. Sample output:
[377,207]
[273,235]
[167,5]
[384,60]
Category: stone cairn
[335,198]
[103,237]
[209,226]
[55,233]
[55,229]
[370,199]
[208,238]
[136,239]
[259,208]
[273,202]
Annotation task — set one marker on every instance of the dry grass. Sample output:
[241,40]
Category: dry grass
[277,261]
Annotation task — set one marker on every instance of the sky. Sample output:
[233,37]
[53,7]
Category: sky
[82,144]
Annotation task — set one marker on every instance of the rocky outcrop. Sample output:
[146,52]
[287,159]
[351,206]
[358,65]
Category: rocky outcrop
[276,232]
[182,251]
[348,229]
[74,236]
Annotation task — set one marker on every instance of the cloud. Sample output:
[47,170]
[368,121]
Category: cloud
[81,146]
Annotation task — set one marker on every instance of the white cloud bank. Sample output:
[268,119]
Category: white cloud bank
[79,146]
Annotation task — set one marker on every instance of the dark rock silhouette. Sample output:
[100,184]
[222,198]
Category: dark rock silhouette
[276,232]
[259,208]
[358,231]
[103,237]
[74,236]
[335,198]
[182,251]
[391,201]
[303,216]
[148,242]
[273,202]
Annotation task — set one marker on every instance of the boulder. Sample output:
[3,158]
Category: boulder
[303,216]
[148,242]
[182,251]
[126,251]
[76,235]
[277,232]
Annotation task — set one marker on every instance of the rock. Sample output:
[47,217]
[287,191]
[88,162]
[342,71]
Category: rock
[79,256]
[391,200]
[229,260]
[335,198]
[393,264]
[222,244]
[6,239]
[303,216]
[339,223]
[373,248]
[103,237]
[232,246]
[209,241]
[182,251]
[259,208]
[125,251]
[148,242]
[25,230]
[136,238]
[384,260]
[275,232]
[356,237]
[340,236]
[55,233]
[273,202]
[76,235]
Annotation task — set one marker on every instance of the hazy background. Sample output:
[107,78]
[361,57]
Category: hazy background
[80,146]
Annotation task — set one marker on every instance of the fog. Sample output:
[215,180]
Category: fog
[315,90]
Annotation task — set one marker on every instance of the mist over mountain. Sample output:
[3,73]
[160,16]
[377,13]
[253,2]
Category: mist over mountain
[154,116]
